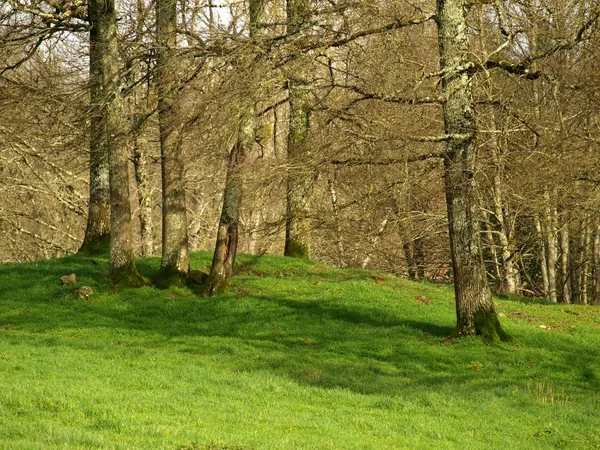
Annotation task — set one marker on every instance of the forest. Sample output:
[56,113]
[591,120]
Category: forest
[449,141]
[299,224]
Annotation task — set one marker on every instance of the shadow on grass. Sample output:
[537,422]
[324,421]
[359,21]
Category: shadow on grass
[318,341]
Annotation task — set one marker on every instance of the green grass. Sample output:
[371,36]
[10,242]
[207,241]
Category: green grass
[297,356]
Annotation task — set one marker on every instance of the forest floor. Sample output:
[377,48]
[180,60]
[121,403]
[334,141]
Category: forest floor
[298,356]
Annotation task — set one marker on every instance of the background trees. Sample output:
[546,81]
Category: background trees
[371,166]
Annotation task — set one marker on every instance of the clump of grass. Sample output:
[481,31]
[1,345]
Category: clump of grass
[546,394]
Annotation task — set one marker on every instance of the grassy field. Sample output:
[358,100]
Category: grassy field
[297,356]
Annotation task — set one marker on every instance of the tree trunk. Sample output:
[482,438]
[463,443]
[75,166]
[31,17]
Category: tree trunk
[341,252]
[228,233]
[97,233]
[551,240]
[509,270]
[543,262]
[564,263]
[221,270]
[585,265]
[144,192]
[175,260]
[596,266]
[299,180]
[122,270]
[489,237]
[474,307]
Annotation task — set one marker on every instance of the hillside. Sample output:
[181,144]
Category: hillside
[297,356]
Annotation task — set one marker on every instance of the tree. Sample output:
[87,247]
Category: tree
[122,272]
[228,232]
[474,307]
[175,260]
[299,181]
[97,233]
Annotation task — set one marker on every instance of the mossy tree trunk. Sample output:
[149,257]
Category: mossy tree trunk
[175,260]
[474,307]
[122,270]
[228,232]
[97,233]
[221,270]
[299,179]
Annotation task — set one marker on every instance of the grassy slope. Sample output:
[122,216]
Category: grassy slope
[299,355]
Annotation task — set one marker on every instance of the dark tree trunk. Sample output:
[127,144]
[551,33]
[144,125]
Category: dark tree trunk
[299,180]
[122,272]
[175,260]
[228,232]
[97,233]
[221,270]
[474,308]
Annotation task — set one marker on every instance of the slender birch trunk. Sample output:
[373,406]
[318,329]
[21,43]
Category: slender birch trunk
[564,263]
[488,234]
[596,266]
[475,311]
[336,217]
[551,241]
[543,261]
[175,259]
[140,166]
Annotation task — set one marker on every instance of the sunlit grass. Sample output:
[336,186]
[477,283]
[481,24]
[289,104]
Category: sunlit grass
[298,355]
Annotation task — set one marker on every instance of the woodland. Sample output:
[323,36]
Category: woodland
[449,141]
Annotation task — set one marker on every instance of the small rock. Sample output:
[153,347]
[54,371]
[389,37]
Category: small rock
[69,279]
[83,293]
[501,314]
[543,327]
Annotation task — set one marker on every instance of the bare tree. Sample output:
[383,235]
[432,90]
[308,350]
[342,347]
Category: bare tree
[175,252]
[228,233]
[299,180]
[474,307]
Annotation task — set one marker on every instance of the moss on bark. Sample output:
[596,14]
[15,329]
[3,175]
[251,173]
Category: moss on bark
[96,247]
[126,277]
[296,249]
[484,324]
[169,276]
[217,284]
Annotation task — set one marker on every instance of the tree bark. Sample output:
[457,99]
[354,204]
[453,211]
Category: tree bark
[228,233]
[475,311]
[564,263]
[122,269]
[543,262]
[221,270]
[596,266]
[551,241]
[299,180]
[97,233]
[144,192]
[175,261]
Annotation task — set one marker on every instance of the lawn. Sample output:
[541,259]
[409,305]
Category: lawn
[298,356]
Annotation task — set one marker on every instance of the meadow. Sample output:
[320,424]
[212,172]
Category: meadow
[298,355]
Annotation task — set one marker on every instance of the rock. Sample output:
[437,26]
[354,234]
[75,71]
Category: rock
[501,314]
[543,327]
[69,279]
[83,293]
[198,277]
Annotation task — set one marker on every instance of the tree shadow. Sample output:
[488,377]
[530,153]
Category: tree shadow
[320,342]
